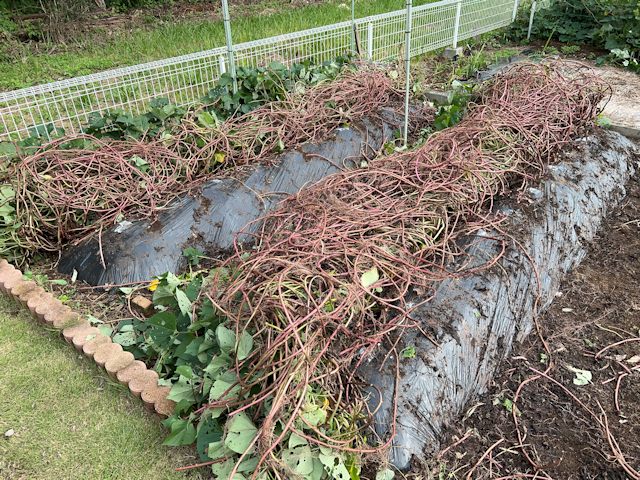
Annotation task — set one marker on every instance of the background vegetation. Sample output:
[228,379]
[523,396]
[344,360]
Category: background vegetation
[611,25]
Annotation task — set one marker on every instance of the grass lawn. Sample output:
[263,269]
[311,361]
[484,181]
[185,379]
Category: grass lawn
[69,420]
[156,39]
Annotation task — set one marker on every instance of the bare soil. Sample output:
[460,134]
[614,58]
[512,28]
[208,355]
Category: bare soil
[596,309]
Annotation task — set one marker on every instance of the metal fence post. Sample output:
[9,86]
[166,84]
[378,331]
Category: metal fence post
[227,33]
[533,12]
[515,10]
[407,67]
[370,39]
[456,27]
[353,26]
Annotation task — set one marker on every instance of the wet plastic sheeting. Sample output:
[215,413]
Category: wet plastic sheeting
[479,316]
[136,251]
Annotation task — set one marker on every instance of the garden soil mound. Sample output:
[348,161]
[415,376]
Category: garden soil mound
[597,304]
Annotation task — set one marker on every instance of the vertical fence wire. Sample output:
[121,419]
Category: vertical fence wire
[67,104]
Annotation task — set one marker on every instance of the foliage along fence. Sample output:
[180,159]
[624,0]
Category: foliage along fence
[67,104]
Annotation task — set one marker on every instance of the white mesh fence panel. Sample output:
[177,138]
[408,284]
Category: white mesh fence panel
[183,80]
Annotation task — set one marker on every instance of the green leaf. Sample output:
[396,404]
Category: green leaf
[370,277]
[240,433]
[7,148]
[126,339]
[314,415]
[185,371]
[296,440]
[163,320]
[209,432]
[193,256]
[244,346]
[300,459]
[216,450]
[219,387]
[184,303]
[104,330]
[182,433]
[226,338]
[93,320]
[386,474]
[182,390]
[221,361]
[163,295]
[335,467]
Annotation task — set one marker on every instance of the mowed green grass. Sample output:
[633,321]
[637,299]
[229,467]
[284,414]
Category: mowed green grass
[162,39]
[69,421]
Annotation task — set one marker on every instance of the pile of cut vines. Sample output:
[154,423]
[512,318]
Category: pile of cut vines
[263,353]
[68,188]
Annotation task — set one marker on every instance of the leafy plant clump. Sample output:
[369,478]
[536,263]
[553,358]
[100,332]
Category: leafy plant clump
[256,87]
[197,351]
[611,25]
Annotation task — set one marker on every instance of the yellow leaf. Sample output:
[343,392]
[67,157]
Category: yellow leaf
[218,157]
[154,285]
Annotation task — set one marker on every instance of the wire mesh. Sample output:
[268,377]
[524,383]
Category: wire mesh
[67,104]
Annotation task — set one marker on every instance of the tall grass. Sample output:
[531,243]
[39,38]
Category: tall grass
[165,38]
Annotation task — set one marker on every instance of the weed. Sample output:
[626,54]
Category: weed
[451,111]
[569,49]
[41,280]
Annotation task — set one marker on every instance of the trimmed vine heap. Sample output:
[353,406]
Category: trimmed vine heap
[331,269]
[62,195]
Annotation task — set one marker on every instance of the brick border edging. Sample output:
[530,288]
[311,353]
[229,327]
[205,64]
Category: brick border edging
[120,365]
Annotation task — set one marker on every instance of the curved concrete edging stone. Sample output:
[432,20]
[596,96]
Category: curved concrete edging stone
[88,340]
[478,317]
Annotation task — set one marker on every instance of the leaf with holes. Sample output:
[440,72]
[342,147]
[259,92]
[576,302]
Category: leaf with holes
[240,433]
[299,459]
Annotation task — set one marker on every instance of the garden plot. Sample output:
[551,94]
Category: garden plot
[281,358]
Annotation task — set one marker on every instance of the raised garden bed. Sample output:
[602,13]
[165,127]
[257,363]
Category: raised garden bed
[273,353]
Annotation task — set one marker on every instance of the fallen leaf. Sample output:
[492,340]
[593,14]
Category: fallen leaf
[634,359]
[583,377]
[370,277]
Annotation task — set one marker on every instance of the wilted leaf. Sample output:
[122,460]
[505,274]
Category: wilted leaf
[370,277]
[583,377]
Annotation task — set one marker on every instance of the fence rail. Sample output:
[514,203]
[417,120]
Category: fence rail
[184,79]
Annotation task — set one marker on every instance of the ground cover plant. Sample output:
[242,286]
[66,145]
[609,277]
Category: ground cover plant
[262,353]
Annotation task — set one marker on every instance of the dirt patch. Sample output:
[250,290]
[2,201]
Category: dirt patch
[597,306]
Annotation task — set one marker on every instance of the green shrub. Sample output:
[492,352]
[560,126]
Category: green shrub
[611,25]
